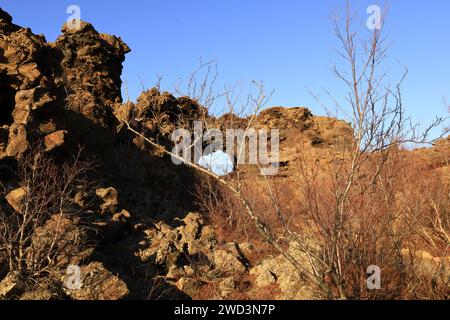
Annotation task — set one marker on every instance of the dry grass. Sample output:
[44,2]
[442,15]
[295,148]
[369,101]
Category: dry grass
[406,208]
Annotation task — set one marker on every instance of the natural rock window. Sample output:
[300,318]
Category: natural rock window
[217,162]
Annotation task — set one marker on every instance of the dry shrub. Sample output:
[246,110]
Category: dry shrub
[380,220]
[270,292]
[244,291]
[402,209]
[208,291]
[224,212]
[46,234]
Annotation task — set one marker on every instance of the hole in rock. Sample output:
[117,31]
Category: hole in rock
[217,162]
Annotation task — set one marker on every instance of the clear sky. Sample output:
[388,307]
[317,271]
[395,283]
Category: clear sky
[285,43]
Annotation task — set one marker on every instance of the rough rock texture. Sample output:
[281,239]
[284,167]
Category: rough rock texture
[157,115]
[163,112]
[170,246]
[228,262]
[8,285]
[97,283]
[39,81]
[16,199]
[27,91]
[190,255]
[145,237]
[88,65]
[54,140]
[51,93]
[277,270]
[188,285]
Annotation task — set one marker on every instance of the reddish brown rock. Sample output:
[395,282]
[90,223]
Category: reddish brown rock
[54,140]
[16,198]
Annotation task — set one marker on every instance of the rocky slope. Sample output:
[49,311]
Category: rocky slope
[62,95]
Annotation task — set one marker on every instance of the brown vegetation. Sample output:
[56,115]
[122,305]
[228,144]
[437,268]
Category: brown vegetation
[347,195]
[42,229]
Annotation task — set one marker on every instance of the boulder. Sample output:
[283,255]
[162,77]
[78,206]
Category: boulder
[54,140]
[18,142]
[188,285]
[278,270]
[97,283]
[110,199]
[228,262]
[16,199]
[8,286]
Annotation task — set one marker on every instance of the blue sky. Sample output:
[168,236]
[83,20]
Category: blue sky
[287,44]
[218,162]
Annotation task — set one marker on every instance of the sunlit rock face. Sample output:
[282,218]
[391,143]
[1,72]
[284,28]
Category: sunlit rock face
[40,82]
[88,64]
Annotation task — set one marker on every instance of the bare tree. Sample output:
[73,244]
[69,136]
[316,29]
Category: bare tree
[356,224]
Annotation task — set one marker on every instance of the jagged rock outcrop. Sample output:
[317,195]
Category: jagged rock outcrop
[190,255]
[88,66]
[28,95]
[164,113]
[294,123]
[49,93]
[301,134]
[169,246]
[68,90]
[157,114]
[40,82]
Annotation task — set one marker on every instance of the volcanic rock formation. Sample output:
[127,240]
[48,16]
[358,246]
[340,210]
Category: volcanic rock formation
[137,212]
